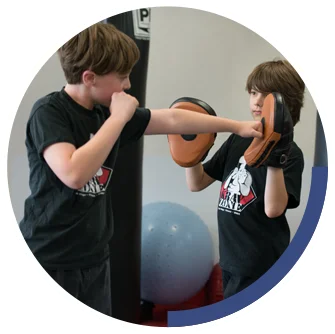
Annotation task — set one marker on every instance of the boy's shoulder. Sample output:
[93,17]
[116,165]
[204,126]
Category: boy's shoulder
[296,151]
[52,99]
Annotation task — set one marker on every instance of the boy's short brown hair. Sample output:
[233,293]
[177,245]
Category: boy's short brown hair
[279,76]
[100,48]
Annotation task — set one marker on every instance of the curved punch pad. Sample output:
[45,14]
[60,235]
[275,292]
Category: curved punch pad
[189,150]
[273,127]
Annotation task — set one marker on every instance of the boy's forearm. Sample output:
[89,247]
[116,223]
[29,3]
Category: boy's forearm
[86,160]
[189,122]
[276,197]
[194,176]
[176,121]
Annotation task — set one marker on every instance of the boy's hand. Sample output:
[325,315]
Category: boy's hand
[273,149]
[250,129]
[279,155]
[123,106]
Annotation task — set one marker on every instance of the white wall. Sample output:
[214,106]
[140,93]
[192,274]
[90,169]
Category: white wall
[49,78]
[192,53]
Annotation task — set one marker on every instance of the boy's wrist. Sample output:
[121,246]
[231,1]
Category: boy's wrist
[234,126]
[117,118]
[195,167]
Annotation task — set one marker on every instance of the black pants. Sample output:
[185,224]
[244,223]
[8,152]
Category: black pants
[92,286]
[233,284]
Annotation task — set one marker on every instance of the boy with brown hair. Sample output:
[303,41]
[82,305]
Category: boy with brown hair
[72,139]
[253,230]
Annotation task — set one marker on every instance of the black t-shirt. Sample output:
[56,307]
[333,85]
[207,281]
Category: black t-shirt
[250,242]
[64,227]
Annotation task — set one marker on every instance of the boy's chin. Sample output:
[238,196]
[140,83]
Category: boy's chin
[257,117]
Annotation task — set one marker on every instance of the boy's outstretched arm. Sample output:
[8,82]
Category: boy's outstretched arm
[179,121]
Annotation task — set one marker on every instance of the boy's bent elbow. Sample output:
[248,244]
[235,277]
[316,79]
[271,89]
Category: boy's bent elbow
[193,189]
[74,184]
[73,181]
[276,208]
[273,212]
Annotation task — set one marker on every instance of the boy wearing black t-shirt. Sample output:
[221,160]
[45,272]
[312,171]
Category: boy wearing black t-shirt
[72,139]
[253,230]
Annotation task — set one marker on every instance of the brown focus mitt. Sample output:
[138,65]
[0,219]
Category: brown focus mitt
[273,149]
[189,150]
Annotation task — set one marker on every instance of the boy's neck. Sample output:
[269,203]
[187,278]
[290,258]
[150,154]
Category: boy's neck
[79,94]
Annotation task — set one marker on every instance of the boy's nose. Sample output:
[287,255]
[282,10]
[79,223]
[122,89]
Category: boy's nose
[259,102]
[127,85]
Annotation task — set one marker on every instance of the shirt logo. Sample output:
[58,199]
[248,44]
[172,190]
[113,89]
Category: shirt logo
[236,191]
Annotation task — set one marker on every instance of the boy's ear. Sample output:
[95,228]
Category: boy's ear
[88,78]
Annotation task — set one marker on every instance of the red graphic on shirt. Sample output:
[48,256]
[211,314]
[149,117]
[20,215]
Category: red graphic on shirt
[105,176]
[246,199]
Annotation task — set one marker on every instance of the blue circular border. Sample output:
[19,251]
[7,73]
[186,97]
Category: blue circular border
[277,271]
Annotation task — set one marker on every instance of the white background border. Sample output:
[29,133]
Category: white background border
[31,31]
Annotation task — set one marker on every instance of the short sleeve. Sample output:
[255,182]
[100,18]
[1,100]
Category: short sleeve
[49,125]
[293,177]
[215,166]
[135,128]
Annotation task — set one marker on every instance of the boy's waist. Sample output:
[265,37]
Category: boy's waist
[76,260]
